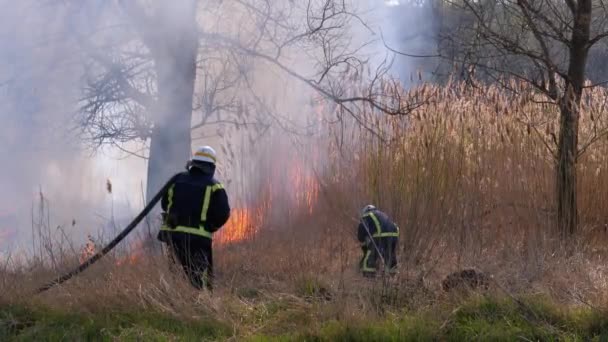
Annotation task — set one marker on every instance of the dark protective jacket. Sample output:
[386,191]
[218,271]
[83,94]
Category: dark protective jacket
[195,204]
[379,225]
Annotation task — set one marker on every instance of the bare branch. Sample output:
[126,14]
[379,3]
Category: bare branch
[401,53]
[399,109]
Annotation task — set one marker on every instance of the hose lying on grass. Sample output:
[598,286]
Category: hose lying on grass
[114,242]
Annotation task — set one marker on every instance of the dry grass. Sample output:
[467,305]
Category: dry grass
[468,178]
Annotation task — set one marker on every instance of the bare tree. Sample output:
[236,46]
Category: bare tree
[544,43]
[147,58]
[140,77]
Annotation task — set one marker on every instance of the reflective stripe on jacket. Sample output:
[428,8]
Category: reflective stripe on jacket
[379,225]
[195,204]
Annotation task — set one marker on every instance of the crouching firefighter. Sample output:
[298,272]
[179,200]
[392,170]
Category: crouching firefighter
[195,207]
[379,237]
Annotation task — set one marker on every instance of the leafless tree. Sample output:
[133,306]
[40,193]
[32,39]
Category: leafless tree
[148,58]
[544,43]
[140,76]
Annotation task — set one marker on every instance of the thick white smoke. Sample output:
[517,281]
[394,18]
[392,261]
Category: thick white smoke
[40,149]
[42,69]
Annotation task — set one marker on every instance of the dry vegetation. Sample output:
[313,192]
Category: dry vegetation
[469,179]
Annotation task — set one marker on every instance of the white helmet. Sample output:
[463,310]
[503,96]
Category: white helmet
[367,208]
[205,154]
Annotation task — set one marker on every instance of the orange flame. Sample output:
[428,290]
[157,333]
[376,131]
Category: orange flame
[245,222]
[131,259]
[303,193]
[88,250]
[305,188]
[242,224]
[133,256]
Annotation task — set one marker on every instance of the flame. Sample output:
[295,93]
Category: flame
[244,223]
[88,250]
[305,188]
[134,255]
[240,226]
[131,259]
[302,195]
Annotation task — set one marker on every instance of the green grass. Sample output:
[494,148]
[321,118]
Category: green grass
[478,319]
[532,318]
[35,324]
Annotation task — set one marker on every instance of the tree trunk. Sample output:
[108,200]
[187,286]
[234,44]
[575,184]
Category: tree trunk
[567,210]
[174,46]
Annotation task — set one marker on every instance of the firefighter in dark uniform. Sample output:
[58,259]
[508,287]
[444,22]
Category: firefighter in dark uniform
[195,207]
[379,237]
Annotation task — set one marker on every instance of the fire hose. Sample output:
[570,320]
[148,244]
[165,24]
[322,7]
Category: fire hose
[114,242]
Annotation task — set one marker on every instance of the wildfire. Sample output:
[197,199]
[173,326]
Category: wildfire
[243,224]
[134,255]
[88,251]
[305,188]
[289,188]
[302,194]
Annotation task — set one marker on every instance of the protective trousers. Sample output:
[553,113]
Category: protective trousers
[195,255]
[385,247]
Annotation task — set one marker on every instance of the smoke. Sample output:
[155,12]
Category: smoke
[40,150]
[44,67]
[408,28]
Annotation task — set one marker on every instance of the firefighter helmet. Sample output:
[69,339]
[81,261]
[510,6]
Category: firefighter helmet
[205,154]
[367,209]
